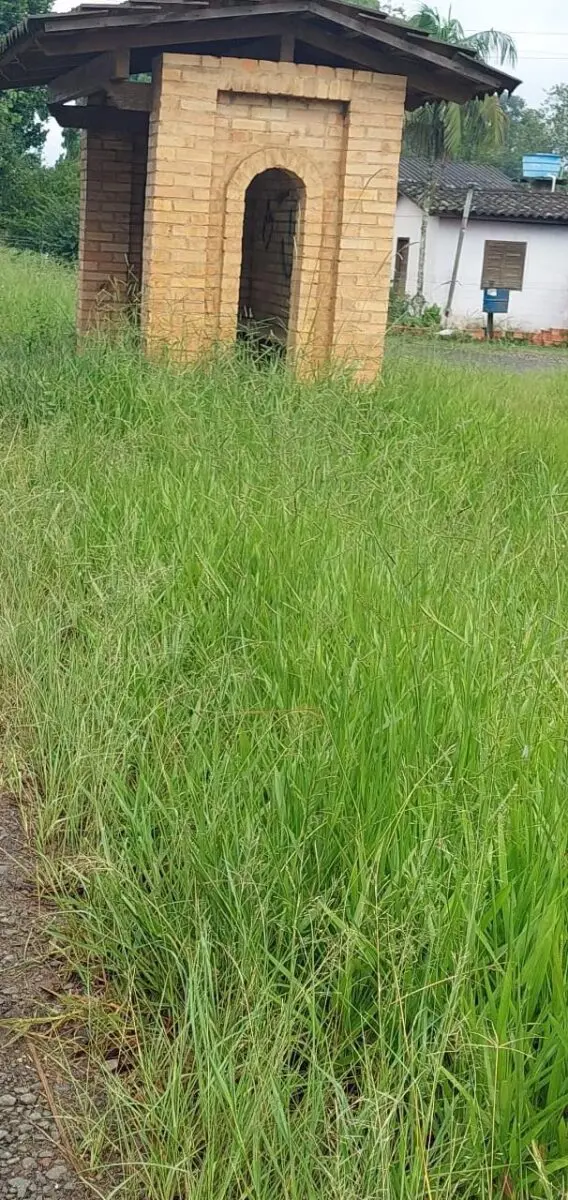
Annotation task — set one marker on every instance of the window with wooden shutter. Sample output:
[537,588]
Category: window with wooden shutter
[504,265]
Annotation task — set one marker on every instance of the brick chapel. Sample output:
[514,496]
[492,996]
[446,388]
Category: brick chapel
[239,163]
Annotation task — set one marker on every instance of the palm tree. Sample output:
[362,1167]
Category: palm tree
[441,131]
[490,44]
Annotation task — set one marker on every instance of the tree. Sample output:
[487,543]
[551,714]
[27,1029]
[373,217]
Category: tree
[555,114]
[21,113]
[71,144]
[527,132]
[39,206]
[490,44]
[442,130]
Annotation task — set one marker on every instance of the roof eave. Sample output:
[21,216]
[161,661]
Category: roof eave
[455,73]
[510,219]
[503,218]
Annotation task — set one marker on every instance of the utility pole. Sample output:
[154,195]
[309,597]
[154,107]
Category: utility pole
[459,248]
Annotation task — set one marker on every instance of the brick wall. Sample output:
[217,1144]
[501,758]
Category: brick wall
[369,205]
[314,131]
[217,124]
[113,171]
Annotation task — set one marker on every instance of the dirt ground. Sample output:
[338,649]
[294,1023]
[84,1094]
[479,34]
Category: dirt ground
[518,360]
[35,1161]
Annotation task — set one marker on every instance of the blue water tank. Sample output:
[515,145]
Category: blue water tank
[542,166]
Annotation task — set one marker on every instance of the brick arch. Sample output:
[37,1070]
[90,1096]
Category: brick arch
[275,159]
[304,301]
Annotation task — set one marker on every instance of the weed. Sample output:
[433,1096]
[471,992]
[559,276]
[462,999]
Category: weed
[288,663]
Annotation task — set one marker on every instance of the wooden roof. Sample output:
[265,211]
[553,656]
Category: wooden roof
[323,32]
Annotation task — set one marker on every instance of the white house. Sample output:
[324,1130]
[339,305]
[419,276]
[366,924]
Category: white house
[517,235]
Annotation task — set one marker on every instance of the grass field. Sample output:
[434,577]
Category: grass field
[288,666]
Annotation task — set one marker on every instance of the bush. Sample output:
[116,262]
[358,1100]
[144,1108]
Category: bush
[39,206]
[410,312]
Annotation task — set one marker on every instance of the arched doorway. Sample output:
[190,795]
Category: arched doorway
[270,254]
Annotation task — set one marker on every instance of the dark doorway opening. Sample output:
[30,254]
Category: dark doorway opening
[270,255]
[400,277]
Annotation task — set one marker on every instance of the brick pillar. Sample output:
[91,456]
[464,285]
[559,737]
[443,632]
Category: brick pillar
[110,226]
[374,133]
[178,198]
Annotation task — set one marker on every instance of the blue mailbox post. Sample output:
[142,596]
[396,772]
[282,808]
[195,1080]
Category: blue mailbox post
[495,300]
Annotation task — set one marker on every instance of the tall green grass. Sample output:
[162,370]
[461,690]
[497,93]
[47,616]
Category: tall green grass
[289,667]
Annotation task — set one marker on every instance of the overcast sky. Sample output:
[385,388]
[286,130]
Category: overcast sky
[540,29]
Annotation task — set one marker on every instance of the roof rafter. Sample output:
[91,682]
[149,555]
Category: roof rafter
[42,48]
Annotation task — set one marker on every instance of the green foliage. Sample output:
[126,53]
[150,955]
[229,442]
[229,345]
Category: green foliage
[497,131]
[445,130]
[21,112]
[288,662]
[14,11]
[527,132]
[39,206]
[71,143]
[410,312]
[555,114]
[392,10]
[21,129]
[489,44]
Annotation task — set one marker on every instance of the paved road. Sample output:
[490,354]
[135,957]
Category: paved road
[518,360]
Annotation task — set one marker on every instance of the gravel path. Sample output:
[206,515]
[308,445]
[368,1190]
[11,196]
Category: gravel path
[32,1163]
[515,360]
